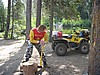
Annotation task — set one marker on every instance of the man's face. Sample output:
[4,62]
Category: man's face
[42,30]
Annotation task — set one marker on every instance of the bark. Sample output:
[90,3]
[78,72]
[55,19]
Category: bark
[8,19]
[29,69]
[38,15]
[3,22]
[51,20]
[94,55]
[28,17]
[12,19]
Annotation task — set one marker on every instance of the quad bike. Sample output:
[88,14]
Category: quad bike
[78,41]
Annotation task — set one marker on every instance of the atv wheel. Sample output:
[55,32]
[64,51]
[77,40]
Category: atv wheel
[61,49]
[84,48]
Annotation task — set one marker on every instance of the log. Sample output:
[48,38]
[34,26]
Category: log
[31,66]
[29,69]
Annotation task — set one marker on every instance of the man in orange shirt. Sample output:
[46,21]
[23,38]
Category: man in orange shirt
[35,37]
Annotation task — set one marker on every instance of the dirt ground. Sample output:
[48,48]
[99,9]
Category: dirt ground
[12,53]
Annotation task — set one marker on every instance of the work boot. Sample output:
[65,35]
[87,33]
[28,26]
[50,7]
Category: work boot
[25,60]
[46,66]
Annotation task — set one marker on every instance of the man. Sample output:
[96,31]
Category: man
[35,38]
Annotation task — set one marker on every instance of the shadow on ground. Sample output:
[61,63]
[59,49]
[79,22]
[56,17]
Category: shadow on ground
[7,42]
[10,66]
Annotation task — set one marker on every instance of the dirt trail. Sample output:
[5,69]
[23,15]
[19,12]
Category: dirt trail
[11,54]
[72,64]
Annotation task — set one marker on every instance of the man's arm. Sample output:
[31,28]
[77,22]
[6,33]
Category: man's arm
[46,37]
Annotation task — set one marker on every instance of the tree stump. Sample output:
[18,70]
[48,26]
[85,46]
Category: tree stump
[29,69]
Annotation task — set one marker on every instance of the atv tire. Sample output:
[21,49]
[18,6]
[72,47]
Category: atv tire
[84,48]
[61,49]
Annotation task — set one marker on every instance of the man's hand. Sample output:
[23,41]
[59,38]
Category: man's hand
[42,42]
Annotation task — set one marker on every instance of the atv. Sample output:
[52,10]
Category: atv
[78,41]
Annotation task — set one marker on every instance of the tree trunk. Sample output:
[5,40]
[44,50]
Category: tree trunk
[28,17]
[12,19]
[8,19]
[51,20]
[3,20]
[94,55]
[38,18]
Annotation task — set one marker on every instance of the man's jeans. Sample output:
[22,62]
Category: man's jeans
[30,49]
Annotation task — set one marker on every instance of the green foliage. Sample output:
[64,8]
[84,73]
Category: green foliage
[33,22]
[68,12]
[85,8]
[86,24]
[46,21]
[2,35]
[70,31]
[67,31]
[70,24]
[19,19]
[18,27]
[68,9]
[63,8]
[2,16]
[18,10]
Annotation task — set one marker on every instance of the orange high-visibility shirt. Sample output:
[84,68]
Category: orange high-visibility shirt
[36,36]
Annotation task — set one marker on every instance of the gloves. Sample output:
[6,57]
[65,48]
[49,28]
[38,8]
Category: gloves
[42,42]
[38,41]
